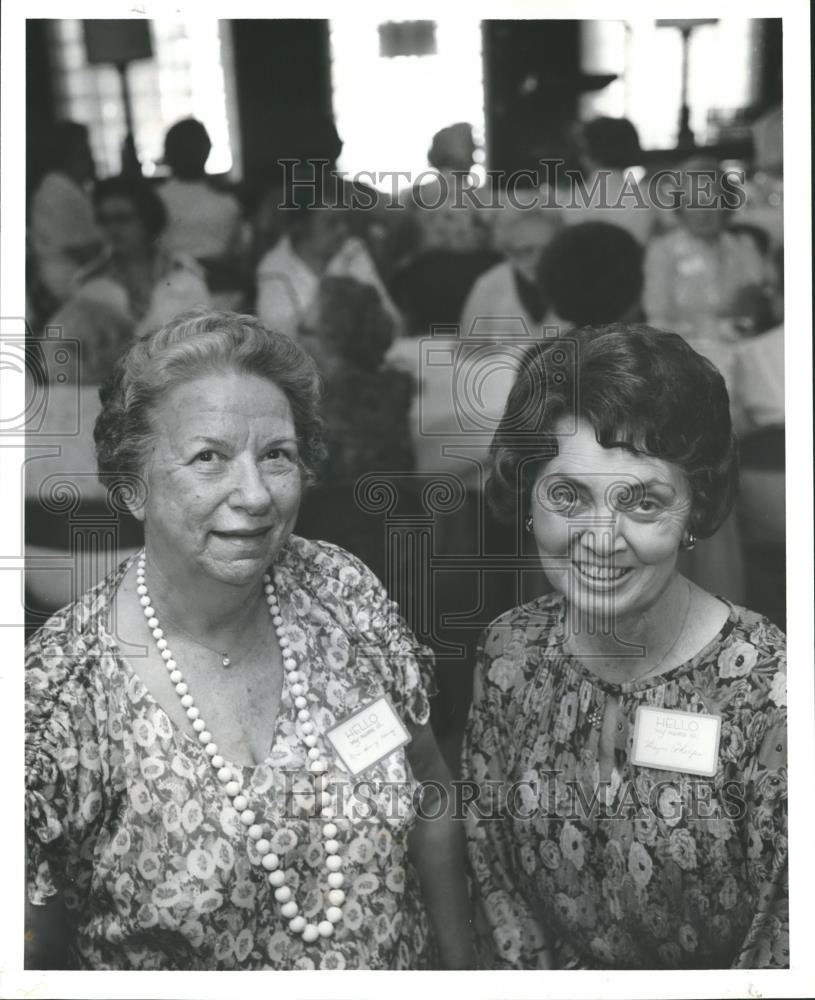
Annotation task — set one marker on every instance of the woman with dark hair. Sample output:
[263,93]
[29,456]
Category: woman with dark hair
[136,274]
[281,832]
[609,257]
[628,732]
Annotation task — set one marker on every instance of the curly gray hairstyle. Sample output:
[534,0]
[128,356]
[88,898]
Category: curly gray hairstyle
[194,345]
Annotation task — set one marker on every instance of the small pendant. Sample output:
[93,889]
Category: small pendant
[226,661]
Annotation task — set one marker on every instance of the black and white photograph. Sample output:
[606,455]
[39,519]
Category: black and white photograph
[406,454]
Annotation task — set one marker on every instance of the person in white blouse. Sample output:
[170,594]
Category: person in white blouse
[201,221]
[317,242]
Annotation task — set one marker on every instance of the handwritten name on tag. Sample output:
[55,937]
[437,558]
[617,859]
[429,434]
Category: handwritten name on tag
[368,735]
[676,741]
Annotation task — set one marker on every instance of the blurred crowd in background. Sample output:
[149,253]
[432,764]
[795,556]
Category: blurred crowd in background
[365,282]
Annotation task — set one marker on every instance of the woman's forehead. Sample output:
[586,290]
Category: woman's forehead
[224,398]
[580,453]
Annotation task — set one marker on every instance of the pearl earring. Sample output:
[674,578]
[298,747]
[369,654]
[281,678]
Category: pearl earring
[528,524]
[689,541]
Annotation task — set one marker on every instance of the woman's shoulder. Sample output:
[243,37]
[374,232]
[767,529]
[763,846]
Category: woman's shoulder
[743,671]
[319,565]
[537,621]
[756,629]
[67,661]
[73,632]
[752,646]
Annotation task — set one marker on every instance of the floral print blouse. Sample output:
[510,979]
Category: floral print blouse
[648,868]
[127,821]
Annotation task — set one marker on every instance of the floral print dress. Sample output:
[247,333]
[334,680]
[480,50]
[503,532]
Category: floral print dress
[648,868]
[128,824]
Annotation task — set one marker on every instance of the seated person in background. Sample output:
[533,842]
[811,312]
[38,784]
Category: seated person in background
[439,214]
[694,273]
[759,362]
[136,274]
[365,406]
[696,279]
[510,289]
[764,187]
[317,243]
[306,148]
[365,417]
[62,229]
[201,222]
[758,308]
[591,273]
[609,148]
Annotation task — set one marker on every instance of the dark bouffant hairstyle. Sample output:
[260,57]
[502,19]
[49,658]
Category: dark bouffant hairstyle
[592,273]
[141,195]
[195,345]
[640,389]
[354,324]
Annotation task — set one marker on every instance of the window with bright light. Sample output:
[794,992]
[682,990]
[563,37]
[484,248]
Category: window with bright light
[187,76]
[387,108]
[648,61]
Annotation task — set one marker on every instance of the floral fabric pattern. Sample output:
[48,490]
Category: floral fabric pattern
[127,821]
[650,868]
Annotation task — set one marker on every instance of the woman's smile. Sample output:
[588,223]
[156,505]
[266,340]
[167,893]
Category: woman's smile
[601,577]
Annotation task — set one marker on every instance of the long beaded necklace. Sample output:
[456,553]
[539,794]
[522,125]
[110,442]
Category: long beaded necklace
[257,833]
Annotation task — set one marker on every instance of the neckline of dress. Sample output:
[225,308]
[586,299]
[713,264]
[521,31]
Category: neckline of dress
[644,683]
[179,735]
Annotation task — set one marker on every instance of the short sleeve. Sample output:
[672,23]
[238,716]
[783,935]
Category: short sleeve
[406,666]
[510,931]
[64,797]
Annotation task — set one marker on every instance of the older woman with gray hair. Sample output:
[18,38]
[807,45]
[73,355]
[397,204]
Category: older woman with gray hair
[225,736]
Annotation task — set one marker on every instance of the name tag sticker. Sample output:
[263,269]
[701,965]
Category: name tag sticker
[676,741]
[368,735]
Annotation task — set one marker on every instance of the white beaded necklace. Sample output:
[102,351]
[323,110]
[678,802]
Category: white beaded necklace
[296,681]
